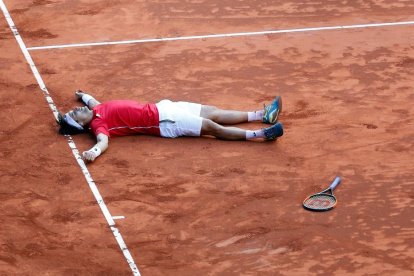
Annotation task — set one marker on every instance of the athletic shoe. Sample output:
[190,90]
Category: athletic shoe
[272,132]
[271,112]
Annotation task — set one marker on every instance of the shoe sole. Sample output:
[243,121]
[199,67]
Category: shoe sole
[279,101]
[279,109]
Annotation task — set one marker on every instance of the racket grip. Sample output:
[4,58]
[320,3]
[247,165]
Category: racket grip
[335,183]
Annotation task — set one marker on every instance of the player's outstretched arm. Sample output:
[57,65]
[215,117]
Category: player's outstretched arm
[98,149]
[87,99]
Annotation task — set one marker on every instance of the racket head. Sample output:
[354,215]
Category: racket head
[320,202]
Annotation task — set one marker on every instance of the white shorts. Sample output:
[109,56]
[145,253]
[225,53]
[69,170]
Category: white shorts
[179,118]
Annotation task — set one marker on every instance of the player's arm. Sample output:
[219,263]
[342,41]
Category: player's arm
[100,147]
[87,99]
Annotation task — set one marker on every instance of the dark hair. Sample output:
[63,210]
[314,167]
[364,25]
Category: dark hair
[66,129]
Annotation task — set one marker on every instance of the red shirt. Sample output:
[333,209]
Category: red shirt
[125,117]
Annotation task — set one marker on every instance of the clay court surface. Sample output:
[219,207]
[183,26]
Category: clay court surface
[204,206]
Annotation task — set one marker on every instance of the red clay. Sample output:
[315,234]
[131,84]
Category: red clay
[202,205]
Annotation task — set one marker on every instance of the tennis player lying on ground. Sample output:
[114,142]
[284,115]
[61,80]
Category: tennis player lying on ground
[165,119]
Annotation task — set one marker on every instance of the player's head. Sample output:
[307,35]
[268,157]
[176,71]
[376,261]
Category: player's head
[75,121]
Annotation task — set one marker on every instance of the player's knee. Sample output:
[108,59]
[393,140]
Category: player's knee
[210,128]
[209,112]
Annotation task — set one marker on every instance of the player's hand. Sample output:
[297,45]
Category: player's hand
[89,156]
[79,93]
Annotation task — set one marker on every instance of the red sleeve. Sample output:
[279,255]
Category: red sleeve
[99,126]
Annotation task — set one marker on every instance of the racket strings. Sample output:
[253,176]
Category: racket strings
[320,202]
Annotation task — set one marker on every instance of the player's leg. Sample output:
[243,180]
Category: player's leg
[226,117]
[230,117]
[212,128]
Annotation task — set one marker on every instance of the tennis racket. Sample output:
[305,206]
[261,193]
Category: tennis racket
[324,200]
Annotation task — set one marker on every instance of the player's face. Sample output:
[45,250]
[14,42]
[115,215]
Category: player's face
[80,115]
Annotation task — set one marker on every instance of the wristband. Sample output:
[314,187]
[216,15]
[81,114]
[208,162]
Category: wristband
[86,98]
[96,150]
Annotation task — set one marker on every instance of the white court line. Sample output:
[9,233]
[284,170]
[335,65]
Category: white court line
[118,217]
[221,35]
[71,144]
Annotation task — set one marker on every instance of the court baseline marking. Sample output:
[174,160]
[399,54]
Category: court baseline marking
[71,143]
[344,27]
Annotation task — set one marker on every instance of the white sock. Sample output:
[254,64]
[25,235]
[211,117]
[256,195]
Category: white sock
[254,134]
[255,115]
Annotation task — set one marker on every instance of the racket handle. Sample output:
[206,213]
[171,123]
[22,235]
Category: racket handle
[335,183]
